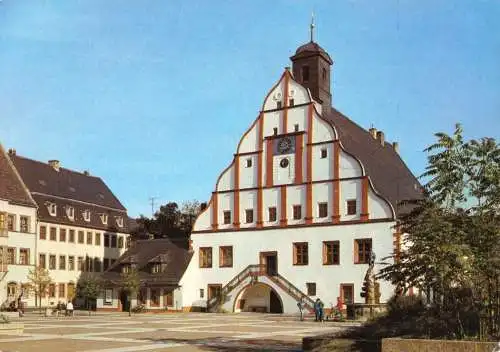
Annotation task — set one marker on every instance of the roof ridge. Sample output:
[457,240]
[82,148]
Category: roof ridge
[61,168]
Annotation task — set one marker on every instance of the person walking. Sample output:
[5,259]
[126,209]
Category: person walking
[320,310]
[69,309]
[316,309]
[300,304]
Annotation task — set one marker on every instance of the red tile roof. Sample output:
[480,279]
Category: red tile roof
[11,186]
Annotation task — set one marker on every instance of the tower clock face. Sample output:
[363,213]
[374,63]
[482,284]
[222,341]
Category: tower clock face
[285,145]
[284,163]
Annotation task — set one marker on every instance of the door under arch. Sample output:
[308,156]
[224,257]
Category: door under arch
[274,303]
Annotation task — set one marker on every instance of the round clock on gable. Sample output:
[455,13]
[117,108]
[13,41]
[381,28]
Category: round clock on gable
[284,163]
[284,145]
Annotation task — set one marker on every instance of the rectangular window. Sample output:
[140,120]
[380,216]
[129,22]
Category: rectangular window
[106,240]
[71,262]
[227,217]
[347,293]
[106,264]
[272,214]
[331,250]
[43,232]
[90,235]
[296,127]
[108,296]
[324,153]
[278,105]
[81,264]
[214,290]
[97,265]
[97,239]
[249,162]
[113,241]
[62,262]
[24,224]
[72,236]
[52,262]
[275,131]
[311,288]
[154,297]
[156,268]
[11,255]
[351,207]
[225,256]
[11,222]
[53,234]
[62,235]
[322,210]
[2,221]
[41,261]
[297,212]
[88,264]
[81,237]
[362,250]
[291,102]
[62,290]
[202,293]
[300,253]
[24,256]
[120,242]
[249,216]
[52,290]
[205,257]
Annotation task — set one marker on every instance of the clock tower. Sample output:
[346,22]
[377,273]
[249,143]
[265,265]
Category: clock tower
[312,69]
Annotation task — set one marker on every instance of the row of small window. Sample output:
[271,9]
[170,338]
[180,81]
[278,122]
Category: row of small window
[8,221]
[154,297]
[291,103]
[112,241]
[82,264]
[297,212]
[63,290]
[70,213]
[154,268]
[331,253]
[324,154]
[11,258]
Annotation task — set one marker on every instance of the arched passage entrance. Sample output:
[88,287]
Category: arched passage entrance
[258,297]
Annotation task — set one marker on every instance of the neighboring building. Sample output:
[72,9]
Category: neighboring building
[160,264]
[82,226]
[17,234]
[309,194]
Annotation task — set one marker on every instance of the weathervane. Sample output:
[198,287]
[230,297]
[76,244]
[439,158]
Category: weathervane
[312,27]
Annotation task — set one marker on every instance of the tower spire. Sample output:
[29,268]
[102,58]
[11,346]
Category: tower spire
[312,27]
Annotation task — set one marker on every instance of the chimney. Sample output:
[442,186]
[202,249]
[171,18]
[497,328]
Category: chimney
[55,164]
[12,152]
[86,173]
[373,132]
[395,145]
[381,138]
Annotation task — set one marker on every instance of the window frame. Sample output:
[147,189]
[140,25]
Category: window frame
[249,162]
[365,255]
[27,252]
[224,262]
[11,222]
[329,259]
[350,205]
[249,218]
[53,233]
[298,253]
[311,288]
[297,211]
[323,153]
[226,217]
[24,228]
[272,211]
[322,210]
[205,257]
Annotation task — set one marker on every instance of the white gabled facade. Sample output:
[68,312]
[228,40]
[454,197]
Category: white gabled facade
[295,202]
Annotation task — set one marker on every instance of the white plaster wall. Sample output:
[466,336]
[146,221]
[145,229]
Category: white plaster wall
[248,200]
[272,119]
[248,175]
[349,167]
[204,220]
[377,207]
[226,181]
[248,245]
[276,94]
[296,195]
[350,189]
[322,168]
[225,203]
[249,143]
[298,93]
[297,116]
[271,198]
[322,193]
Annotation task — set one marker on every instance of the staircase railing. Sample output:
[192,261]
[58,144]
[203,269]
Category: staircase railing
[251,270]
[292,290]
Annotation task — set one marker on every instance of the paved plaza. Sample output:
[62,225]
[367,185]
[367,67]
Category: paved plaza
[163,332]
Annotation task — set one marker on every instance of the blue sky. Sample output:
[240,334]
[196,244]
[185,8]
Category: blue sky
[153,96]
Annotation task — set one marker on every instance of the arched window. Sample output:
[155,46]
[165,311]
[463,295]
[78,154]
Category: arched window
[11,289]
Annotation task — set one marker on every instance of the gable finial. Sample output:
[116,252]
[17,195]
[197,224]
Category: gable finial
[312,27]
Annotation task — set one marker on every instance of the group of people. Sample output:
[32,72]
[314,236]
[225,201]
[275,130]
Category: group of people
[66,308]
[318,310]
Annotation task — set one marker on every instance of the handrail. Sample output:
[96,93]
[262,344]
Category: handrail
[291,287]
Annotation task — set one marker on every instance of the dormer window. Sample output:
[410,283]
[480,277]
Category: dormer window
[156,268]
[70,212]
[119,221]
[86,215]
[104,219]
[52,209]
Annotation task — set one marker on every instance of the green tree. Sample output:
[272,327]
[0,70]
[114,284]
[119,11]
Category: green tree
[38,281]
[450,250]
[130,283]
[89,287]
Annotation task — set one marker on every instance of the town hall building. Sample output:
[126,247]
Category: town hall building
[308,196]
